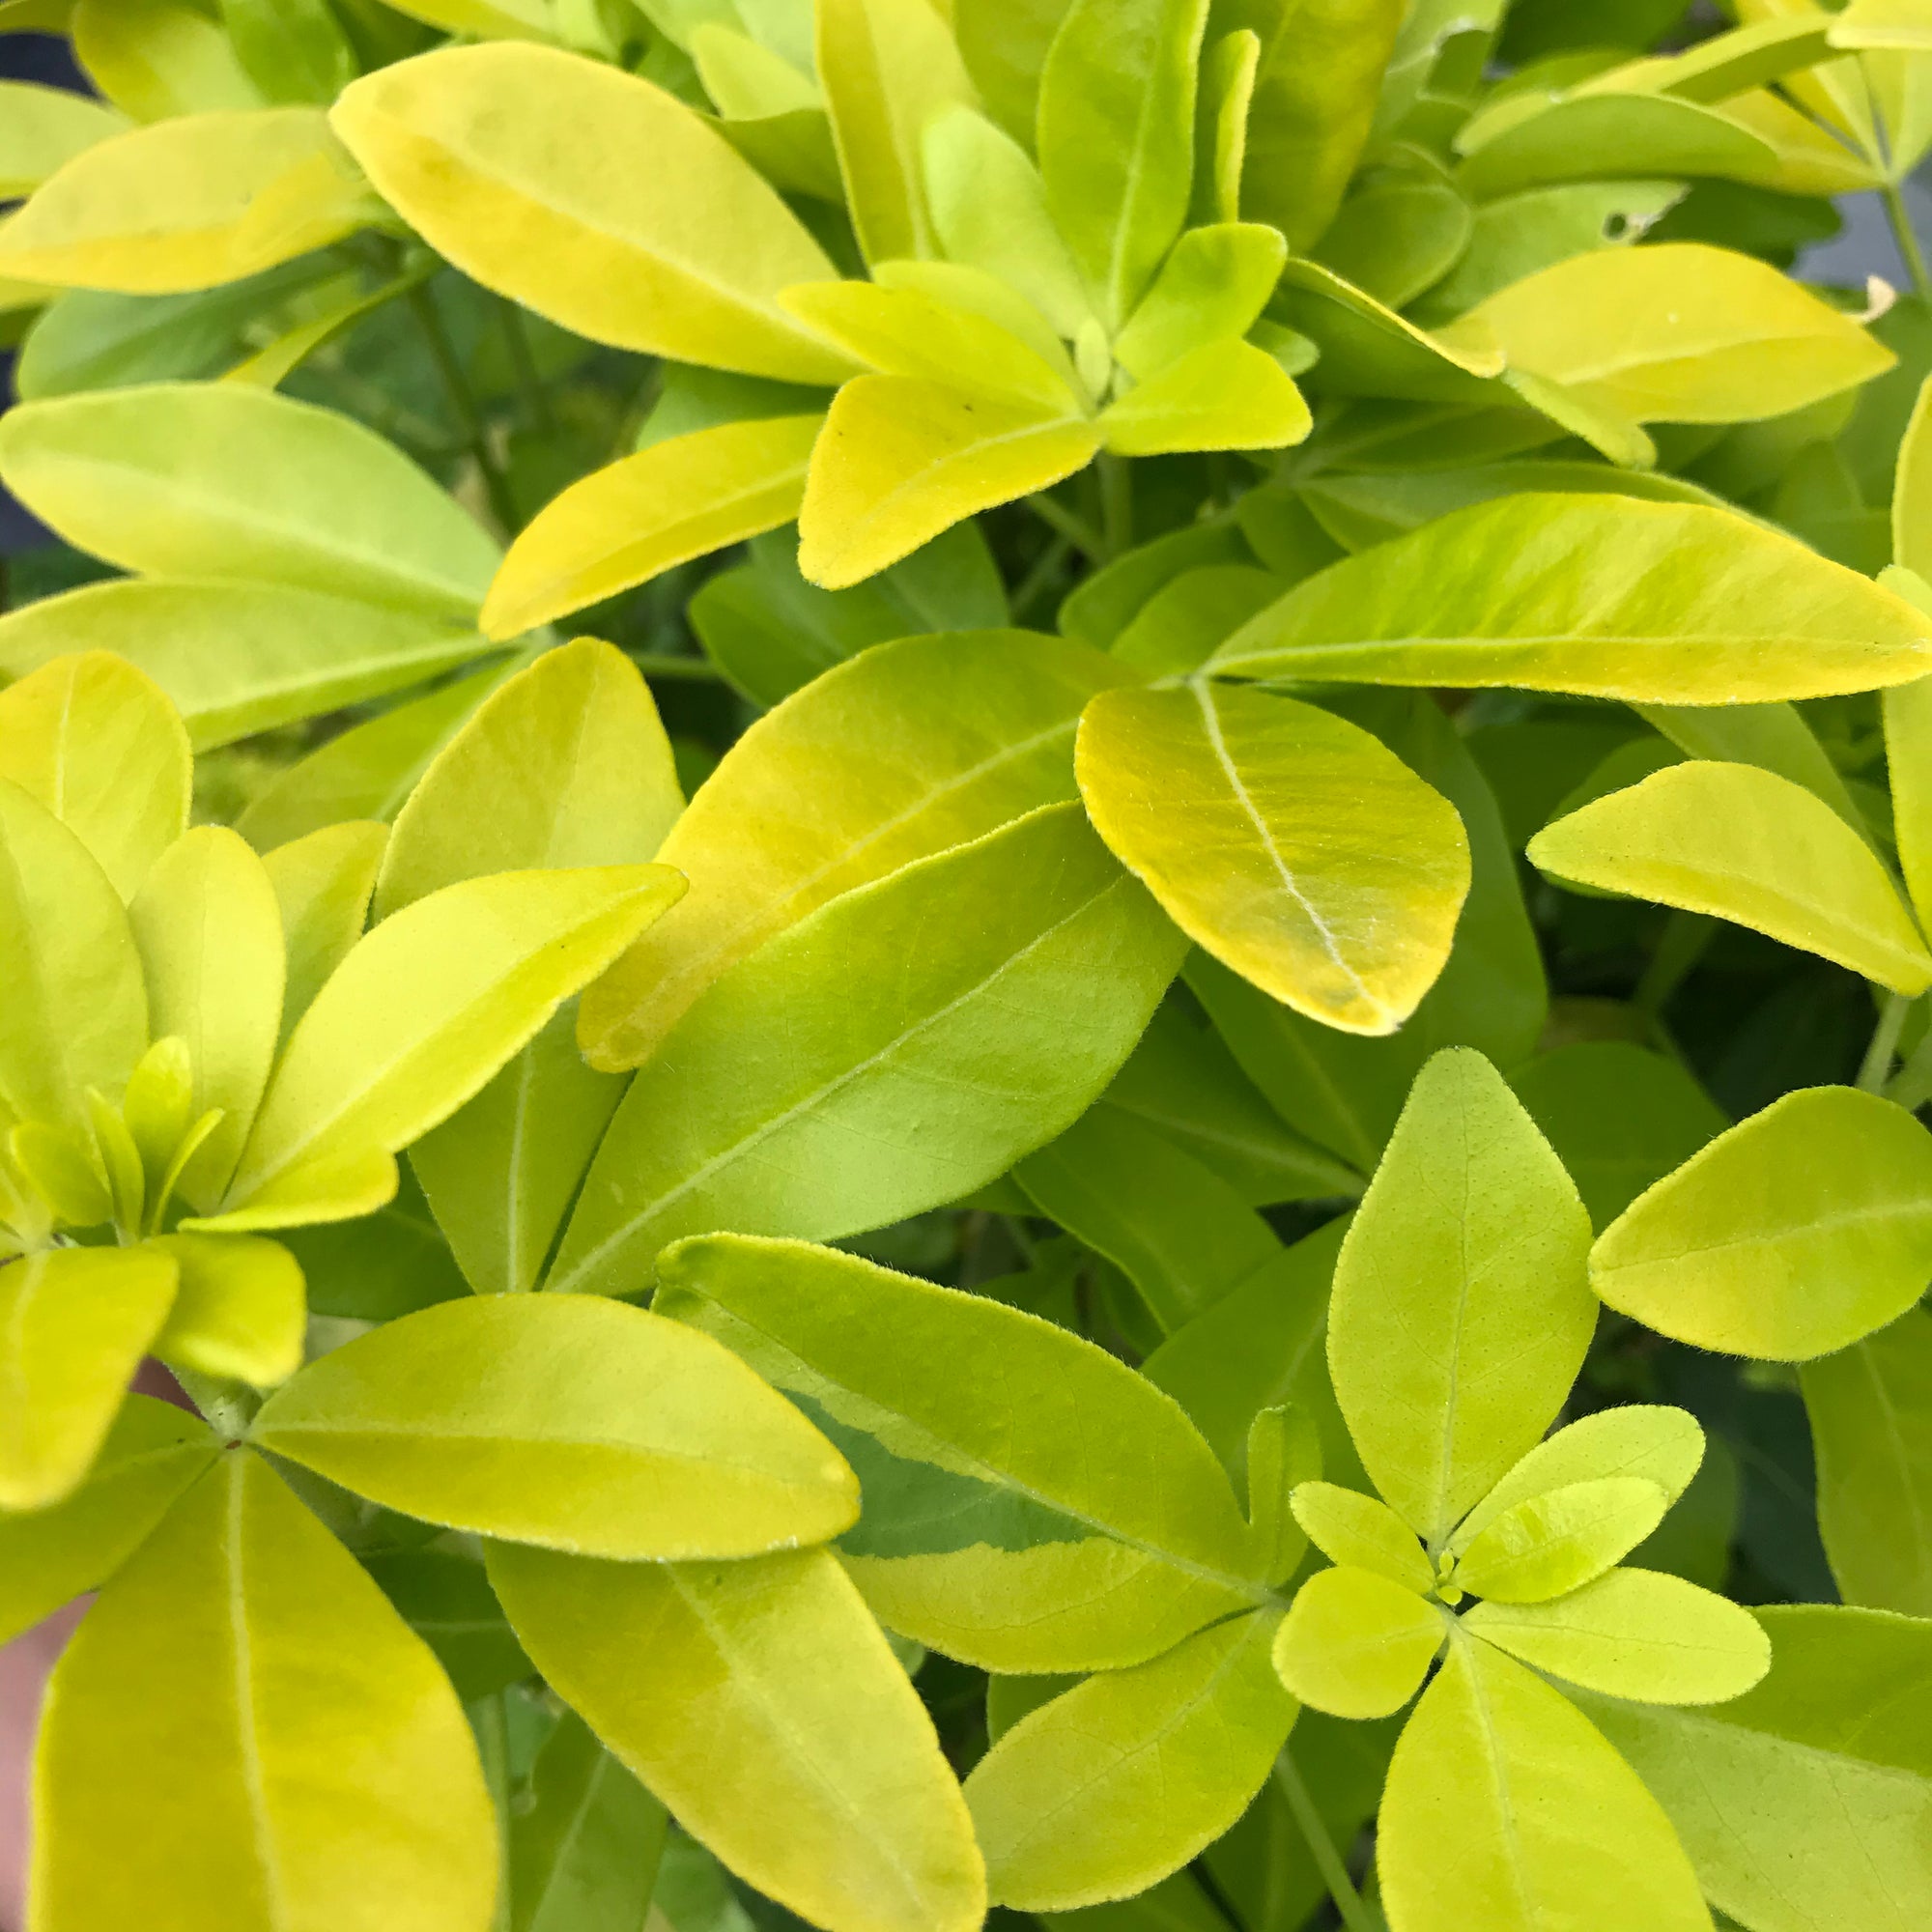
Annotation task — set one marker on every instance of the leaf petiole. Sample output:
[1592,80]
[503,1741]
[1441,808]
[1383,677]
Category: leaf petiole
[1356,1915]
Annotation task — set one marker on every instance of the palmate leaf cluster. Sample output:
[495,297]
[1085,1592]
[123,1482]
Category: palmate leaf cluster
[1160,1158]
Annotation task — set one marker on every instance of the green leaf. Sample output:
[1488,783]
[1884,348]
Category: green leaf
[76,1015]
[447,1601]
[1656,603]
[1506,1809]
[240,1312]
[154,59]
[1775,737]
[1212,288]
[760,1702]
[388,1263]
[308,653]
[1871,1407]
[1172,1751]
[888,68]
[1550,1545]
[50,1555]
[43,129]
[994,1528]
[1356,1643]
[905,751]
[205,480]
[1004,45]
[1263,826]
[292,49]
[74,1324]
[1223,395]
[209,928]
[1116,125]
[584,1856]
[322,884]
[1363,1533]
[1461,1312]
[644,230]
[1635,1634]
[573,1422]
[1796,1233]
[188,204]
[259,1735]
[761,1110]
[1619,1117]
[1398,234]
[900,459]
[96,742]
[427,1006]
[637,517]
[1746,846]
[1805,1803]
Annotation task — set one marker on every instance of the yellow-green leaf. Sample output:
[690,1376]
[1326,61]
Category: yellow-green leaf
[638,516]
[209,932]
[644,229]
[569,1421]
[1291,844]
[240,1312]
[1129,1774]
[900,753]
[188,204]
[156,58]
[322,884]
[260,1736]
[205,480]
[1212,288]
[1636,1633]
[1356,1643]
[74,1324]
[1363,1533]
[1548,1545]
[103,748]
[1746,846]
[762,1703]
[1607,597]
[1797,1232]
[1223,395]
[43,127]
[900,459]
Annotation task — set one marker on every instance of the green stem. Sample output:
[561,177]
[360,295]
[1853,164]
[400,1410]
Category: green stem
[492,1726]
[536,398]
[1876,1068]
[1034,585]
[1075,528]
[676,664]
[462,400]
[1686,935]
[1908,240]
[1327,1859]
[1116,505]
[1913,1086]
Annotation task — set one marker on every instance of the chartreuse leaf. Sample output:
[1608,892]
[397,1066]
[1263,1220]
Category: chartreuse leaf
[645,230]
[422,1011]
[1212,288]
[1608,597]
[1548,1545]
[887,67]
[899,460]
[1506,1809]
[210,933]
[201,479]
[762,1110]
[1462,1309]
[307,654]
[43,127]
[1677,332]
[101,747]
[1058,1514]
[760,1702]
[906,750]
[565,764]
[1284,1452]
[1356,1643]
[573,1422]
[323,885]
[50,1555]
[74,1324]
[1805,1803]
[446,1599]
[1293,845]
[1121,1781]
[239,1311]
[261,1736]
[1636,1633]
[1746,846]
[584,1855]
[637,517]
[156,58]
[504,19]
[1871,1407]
[292,49]
[1363,1533]
[189,204]
[1116,129]
[76,1015]
[1798,1233]
[1223,395]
